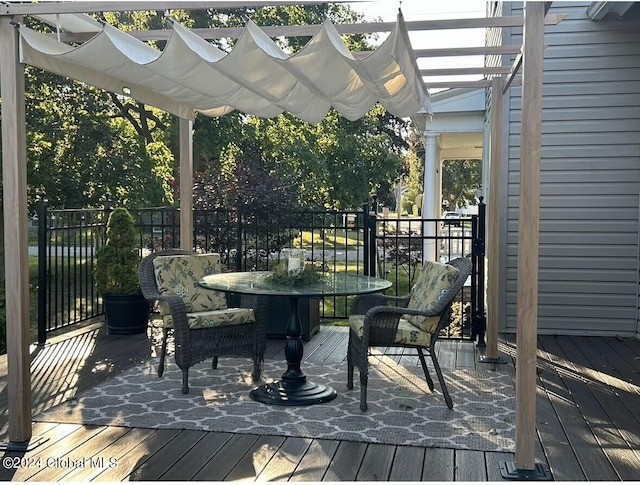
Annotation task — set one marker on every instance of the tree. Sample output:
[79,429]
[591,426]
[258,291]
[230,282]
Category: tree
[337,163]
[460,181]
[334,164]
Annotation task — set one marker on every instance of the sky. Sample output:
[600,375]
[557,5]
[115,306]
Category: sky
[387,10]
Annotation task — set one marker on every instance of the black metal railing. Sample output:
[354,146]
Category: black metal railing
[357,241]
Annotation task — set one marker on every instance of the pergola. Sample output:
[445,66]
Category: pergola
[389,76]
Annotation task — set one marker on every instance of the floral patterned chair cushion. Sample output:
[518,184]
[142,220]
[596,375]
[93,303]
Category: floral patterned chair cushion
[433,281]
[406,333]
[179,275]
[215,318]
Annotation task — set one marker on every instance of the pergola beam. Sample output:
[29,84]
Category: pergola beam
[310,30]
[480,83]
[465,71]
[129,6]
[496,50]
[515,68]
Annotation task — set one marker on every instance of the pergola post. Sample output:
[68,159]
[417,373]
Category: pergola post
[528,247]
[16,263]
[493,240]
[186,184]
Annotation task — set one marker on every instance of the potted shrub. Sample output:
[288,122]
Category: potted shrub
[116,275]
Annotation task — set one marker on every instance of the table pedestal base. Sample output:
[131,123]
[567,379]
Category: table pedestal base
[281,393]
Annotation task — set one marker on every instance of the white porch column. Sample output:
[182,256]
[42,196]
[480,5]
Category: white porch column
[430,206]
[186,184]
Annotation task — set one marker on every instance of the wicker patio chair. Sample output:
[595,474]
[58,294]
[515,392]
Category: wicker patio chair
[415,323]
[203,325]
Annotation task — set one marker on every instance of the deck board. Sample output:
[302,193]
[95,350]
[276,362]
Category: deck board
[376,463]
[159,463]
[223,459]
[588,427]
[110,457]
[285,460]
[315,462]
[346,462]
[58,450]
[255,459]
[438,465]
[606,416]
[407,464]
[593,459]
[185,467]
[470,466]
[129,463]
[330,347]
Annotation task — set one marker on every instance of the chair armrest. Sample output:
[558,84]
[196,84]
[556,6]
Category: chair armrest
[362,303]
[381,323]
[178,312]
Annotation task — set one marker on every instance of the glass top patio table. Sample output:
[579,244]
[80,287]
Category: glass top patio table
[257,283]
[293,389]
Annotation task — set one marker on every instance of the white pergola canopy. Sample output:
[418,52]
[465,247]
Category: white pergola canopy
[256,77]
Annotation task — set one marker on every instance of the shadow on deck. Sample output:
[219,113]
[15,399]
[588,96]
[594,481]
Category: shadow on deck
[588,422]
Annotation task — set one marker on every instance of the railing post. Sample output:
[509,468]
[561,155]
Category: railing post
[239,255]
[43,218]
[481,321]
[365,242]
[474,277]
[373,251]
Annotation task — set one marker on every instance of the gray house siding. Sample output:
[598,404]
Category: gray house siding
[590,176]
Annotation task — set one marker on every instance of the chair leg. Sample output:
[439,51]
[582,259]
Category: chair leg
[163,351]
[363,397]
[349,365]
[257,369]
[427,376]
[185,381]
[443,386]
[364,379]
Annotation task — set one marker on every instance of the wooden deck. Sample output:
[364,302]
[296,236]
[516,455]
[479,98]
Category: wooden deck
[588,421]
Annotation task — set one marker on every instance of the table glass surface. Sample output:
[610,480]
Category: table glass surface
[257,283]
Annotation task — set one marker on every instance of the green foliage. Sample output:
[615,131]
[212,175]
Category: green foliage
[308,276]
[337,163]
[460,181]
[117,261]
[86,147]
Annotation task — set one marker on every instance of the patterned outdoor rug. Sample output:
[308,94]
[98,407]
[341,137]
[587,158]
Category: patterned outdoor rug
[402,410]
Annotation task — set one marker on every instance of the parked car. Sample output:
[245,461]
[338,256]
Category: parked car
[452,218]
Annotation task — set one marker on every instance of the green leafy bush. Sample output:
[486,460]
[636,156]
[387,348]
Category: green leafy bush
[117,261]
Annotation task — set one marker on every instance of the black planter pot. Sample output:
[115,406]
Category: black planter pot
[125,314]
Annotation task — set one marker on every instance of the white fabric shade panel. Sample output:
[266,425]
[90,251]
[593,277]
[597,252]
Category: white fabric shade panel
[256,77]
